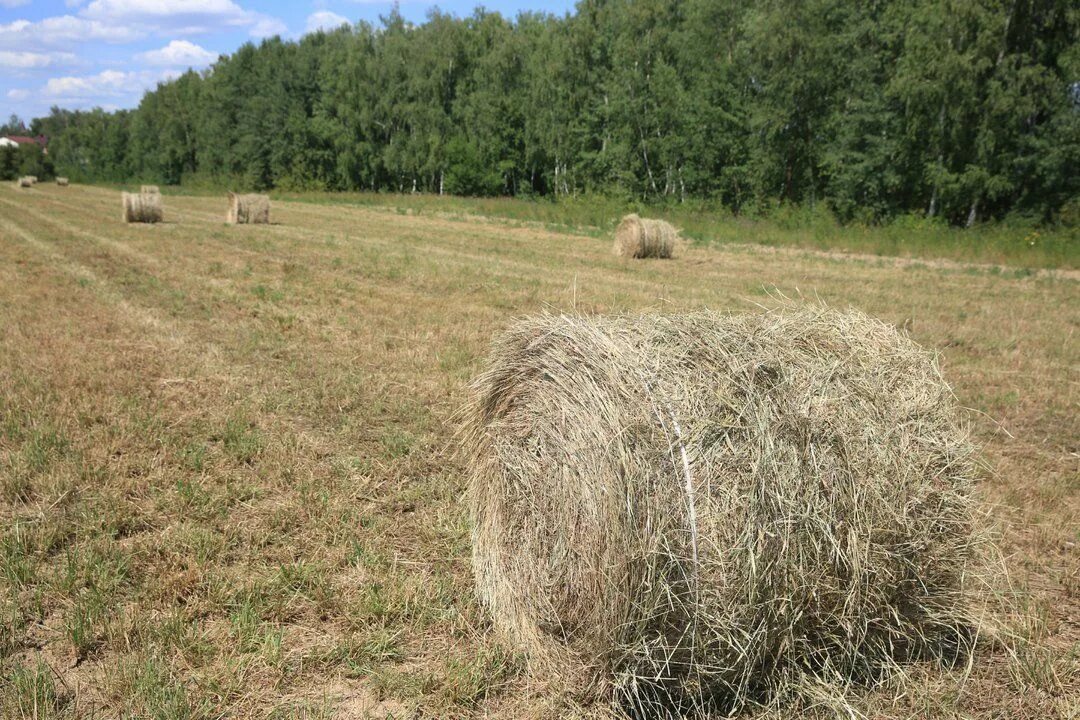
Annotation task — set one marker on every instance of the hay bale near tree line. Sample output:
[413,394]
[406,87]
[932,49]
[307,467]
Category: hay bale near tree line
[248,209]
[24,182]
[638,237]
[710,511]
[142,208]
[149,190]
[33,179]
[62,181]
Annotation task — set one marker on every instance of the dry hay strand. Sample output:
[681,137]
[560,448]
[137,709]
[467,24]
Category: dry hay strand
[709,512]
[248,209]
[142,208]
[24,182]
[638,237]
[62,181]
[149,190]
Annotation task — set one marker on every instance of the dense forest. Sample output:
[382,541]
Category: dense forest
[962,109]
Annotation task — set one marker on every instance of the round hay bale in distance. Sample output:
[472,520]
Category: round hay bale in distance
[248,209]
[709,511]
[25,182]
[62,181]
[638,237]
[149,190]
[142,207]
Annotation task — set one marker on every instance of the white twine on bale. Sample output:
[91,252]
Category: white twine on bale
[691,504]
[687,473]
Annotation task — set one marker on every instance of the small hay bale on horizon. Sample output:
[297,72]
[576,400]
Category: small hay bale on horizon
[24,182]
[708,512]
[142,207]
[149,190]
[62,181]
[33,179]
[638,237]
[250,208]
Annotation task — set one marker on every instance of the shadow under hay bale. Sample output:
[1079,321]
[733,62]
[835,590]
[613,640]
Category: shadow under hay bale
[62,181]
[711,511]
[248,209]
[637,237]
[142,208]
[149,190]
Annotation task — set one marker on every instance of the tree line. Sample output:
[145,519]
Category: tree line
[960,109]
[24,159]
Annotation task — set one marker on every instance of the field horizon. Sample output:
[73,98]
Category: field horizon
[229,478]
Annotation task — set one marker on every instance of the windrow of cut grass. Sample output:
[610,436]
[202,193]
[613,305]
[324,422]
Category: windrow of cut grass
[1014,244]
[228,484]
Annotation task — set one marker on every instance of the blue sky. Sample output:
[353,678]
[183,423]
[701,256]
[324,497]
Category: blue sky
[79,54]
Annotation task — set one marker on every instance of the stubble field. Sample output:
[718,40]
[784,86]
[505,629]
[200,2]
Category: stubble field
[228,481]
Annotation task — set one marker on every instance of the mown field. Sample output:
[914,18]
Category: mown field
[228,481]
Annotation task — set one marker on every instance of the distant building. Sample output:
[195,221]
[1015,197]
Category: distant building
[16,140]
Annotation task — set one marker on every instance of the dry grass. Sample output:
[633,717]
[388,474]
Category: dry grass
[248,209]
[227,484]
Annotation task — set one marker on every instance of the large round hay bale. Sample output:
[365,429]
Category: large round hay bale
[709,510]
[25,182]
[142,207]
[638,237]
[248,209]
[149,189]
[62,181]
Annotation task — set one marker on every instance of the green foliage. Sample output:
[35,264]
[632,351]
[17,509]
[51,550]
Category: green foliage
[467,173]
[30,160]
[9,162]
[961,110]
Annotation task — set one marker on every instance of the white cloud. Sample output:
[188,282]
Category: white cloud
[108,82]
[325,20]
[62,29]
[136,10]
[38,48]
[178,53]
[125,21]
[33,60]
[182,17]
[267,26]
[93,89]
